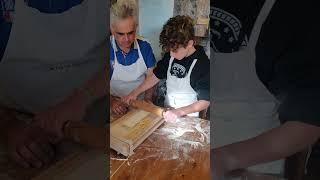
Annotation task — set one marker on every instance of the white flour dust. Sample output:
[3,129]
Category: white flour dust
[183,140]
[178,141]
[204,132]
[146,157]
[119,159]
[157,155]
[175,133]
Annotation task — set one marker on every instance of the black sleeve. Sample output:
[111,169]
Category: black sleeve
[288,61]
[301,105]
[231,23]
[200,79]
[160,71]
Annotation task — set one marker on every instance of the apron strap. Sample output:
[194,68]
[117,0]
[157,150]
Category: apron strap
[113,43]
[115,49]
[191,67]
[139,50]
[267,6]
[170,63]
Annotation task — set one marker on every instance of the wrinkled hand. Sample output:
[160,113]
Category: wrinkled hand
[73,108]
[118,107]
[172,115]
[128,98]
[29,146]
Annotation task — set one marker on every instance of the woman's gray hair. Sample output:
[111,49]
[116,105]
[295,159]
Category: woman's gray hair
[123,9]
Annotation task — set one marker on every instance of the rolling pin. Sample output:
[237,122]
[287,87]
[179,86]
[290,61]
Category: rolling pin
[86,134]
[78,131]
[147,107]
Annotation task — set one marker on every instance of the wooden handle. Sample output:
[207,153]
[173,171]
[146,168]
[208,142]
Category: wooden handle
[86,134]
[147,107]
[78,131]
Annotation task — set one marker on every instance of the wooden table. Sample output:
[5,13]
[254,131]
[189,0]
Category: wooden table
[178,150]
[73,162]
[76,164]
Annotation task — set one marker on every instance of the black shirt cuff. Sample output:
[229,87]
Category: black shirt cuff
[301,105]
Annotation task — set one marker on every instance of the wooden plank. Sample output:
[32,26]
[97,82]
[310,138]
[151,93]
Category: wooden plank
[120,146]
[80,165]
[129,131]
[134,119]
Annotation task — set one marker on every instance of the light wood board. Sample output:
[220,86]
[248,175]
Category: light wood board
[129,131]
[78,166]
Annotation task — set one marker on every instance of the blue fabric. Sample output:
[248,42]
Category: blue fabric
[53,6]
[6,9]
[133,56]
[45,6]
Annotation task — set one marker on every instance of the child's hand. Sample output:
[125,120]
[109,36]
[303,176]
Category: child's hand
[172,115]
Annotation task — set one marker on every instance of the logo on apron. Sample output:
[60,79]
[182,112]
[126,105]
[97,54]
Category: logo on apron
[7,9]
[226,30]
[178,70]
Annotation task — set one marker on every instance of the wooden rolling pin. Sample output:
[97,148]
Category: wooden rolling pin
[147,107]
[86,134]
[78,131]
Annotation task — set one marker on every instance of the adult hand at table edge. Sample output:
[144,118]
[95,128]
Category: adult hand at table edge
[118,107]
[28,145]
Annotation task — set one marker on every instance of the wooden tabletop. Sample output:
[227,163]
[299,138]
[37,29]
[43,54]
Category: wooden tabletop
[178,150]
[78,162]
[72,161]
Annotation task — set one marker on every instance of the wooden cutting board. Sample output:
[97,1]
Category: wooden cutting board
[129,131]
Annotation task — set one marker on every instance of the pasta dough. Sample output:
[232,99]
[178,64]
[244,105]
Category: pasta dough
[133,120]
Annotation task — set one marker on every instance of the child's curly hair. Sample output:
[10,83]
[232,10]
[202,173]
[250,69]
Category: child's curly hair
[177,32]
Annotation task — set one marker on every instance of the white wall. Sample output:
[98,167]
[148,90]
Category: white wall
[152,15]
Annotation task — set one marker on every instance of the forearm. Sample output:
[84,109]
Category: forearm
[275,144]
[195,107]
[96,87]
[148,83]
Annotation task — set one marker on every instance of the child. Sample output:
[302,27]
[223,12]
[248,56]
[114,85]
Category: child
[185,67]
